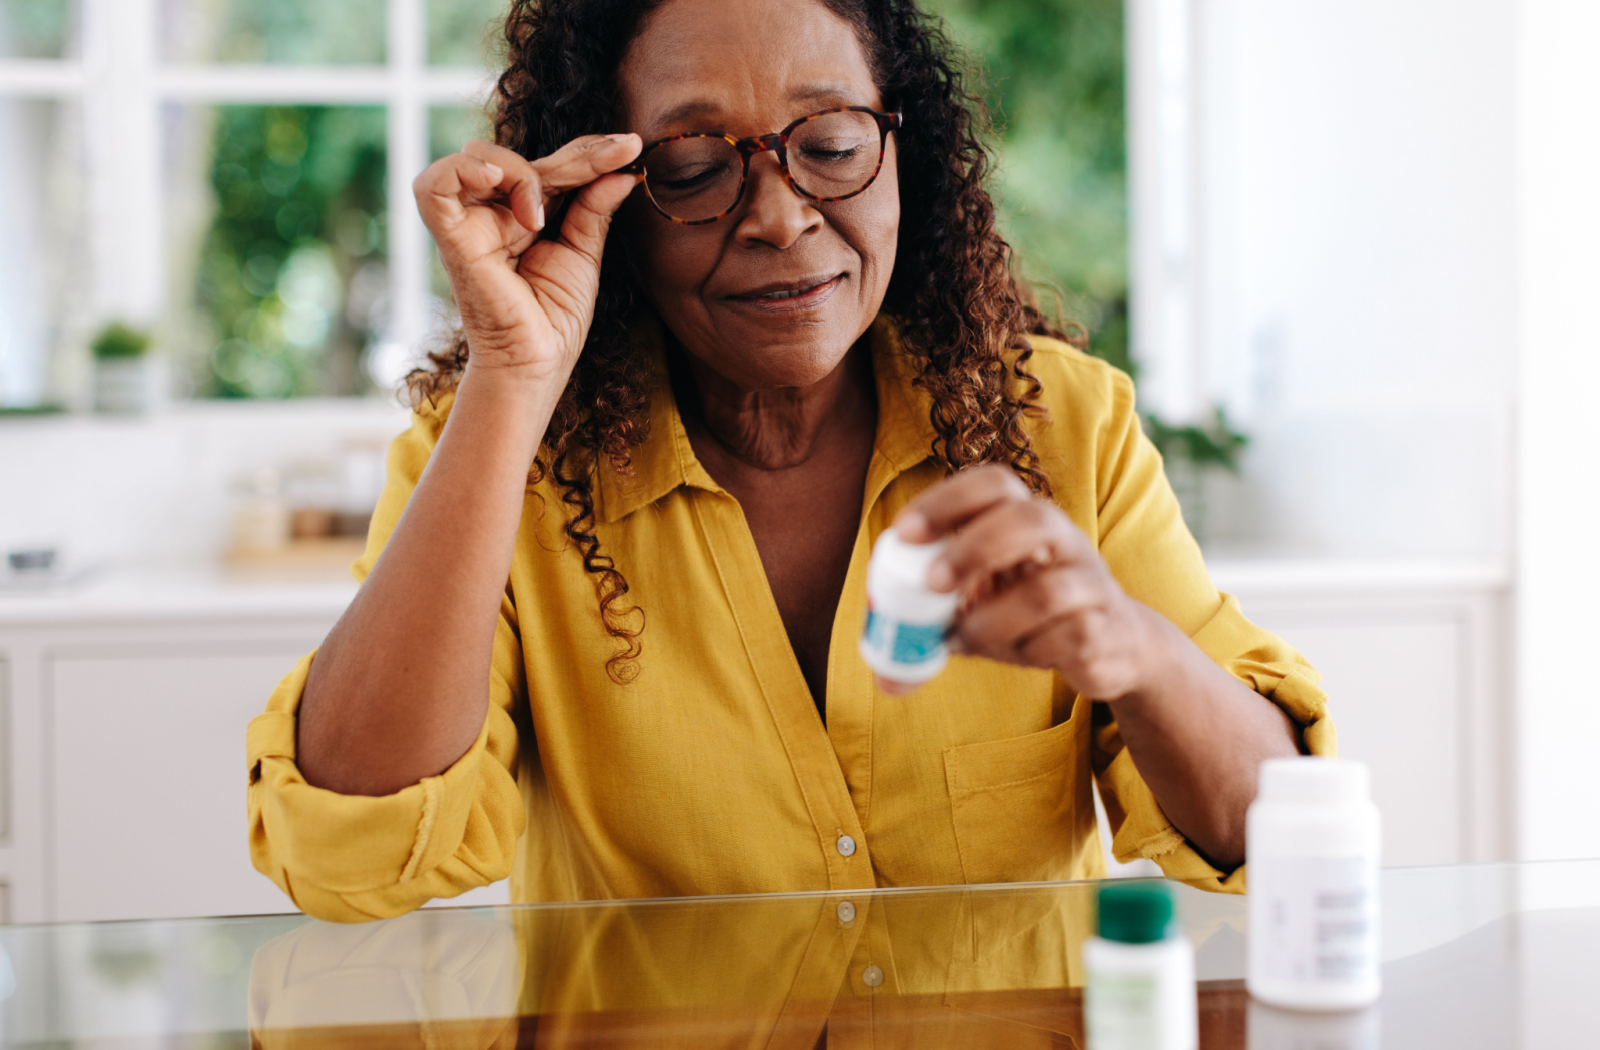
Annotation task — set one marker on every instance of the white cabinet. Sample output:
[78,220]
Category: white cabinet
[1414,661]
[124,774]
[123,712]
[145,797]
[123,709]
[1394,690]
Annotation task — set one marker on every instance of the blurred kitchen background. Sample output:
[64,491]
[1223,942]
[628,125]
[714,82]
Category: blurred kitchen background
[1347,249]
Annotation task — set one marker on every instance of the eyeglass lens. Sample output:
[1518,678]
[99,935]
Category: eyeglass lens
[833,155]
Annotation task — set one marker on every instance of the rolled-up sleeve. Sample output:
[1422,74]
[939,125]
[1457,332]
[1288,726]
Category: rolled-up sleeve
[350,858]
[1150,551]
[1269,666]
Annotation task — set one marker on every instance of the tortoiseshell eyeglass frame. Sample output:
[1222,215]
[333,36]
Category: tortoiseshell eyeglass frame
[777,143]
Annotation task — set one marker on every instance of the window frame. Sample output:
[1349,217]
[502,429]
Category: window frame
[122,84]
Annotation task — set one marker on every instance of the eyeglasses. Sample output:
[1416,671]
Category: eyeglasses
[829,156]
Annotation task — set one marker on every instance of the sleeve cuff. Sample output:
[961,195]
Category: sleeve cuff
[347,843]
[1272,669]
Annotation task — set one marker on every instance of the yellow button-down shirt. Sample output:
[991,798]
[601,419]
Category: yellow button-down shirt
[712,772]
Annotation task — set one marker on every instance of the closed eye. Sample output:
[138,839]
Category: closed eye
[828,151]
[682,180]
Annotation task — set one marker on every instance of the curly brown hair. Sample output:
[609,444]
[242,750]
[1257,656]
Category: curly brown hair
[961,309]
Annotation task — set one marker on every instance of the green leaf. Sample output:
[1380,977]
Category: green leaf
[1215,444]
[118,341]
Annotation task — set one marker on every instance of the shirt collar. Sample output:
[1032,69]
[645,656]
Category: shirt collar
[665,460]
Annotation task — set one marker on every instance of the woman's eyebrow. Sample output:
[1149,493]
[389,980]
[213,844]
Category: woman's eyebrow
[823,91]
[706,108]
[684,110]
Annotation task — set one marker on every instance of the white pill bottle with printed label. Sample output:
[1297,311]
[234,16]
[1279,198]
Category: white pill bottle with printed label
[1311,840]
[903,638]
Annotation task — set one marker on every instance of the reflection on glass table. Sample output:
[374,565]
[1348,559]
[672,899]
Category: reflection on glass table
[1477,955]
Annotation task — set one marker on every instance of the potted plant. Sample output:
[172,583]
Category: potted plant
[123,379]
[1188,452]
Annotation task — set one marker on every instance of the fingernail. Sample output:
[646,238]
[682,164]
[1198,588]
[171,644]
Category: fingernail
[911,524]
[621,136]
[940,576]
[495,170]
[538,216]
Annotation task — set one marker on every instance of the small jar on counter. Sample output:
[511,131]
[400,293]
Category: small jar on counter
[261,517]
[904,636]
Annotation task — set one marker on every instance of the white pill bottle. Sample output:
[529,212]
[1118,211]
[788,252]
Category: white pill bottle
[903,638]
[1139,988]
[1311,840]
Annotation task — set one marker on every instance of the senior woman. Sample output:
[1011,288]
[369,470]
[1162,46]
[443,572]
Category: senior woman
[605,642]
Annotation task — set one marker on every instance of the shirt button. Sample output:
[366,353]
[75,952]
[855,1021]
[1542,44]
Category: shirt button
[847,912]
[872,976]
[847,845]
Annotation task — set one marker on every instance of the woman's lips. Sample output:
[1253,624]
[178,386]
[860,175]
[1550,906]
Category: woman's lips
[791,299]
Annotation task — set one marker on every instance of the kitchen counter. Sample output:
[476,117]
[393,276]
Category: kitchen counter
[154,593]
[323,587]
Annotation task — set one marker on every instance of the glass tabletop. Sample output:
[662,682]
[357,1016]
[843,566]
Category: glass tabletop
[1498,955]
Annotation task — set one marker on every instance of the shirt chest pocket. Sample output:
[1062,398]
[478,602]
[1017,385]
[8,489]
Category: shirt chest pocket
[1021,806]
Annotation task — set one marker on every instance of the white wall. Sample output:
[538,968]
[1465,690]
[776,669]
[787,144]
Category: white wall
[1356,210]
[1558,547]
[1399,266]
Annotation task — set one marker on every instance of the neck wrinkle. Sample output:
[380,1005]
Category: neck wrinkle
[776,429]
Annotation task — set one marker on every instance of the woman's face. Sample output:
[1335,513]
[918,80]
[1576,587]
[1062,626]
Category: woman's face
[750,68]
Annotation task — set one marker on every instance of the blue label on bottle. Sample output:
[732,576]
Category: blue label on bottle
[917,642]
[874,630]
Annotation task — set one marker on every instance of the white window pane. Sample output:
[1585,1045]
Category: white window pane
[279,246]
[466,32]
[44,280]
[276,31]
[38,28]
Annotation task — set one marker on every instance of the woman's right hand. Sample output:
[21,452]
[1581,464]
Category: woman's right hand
[526,299]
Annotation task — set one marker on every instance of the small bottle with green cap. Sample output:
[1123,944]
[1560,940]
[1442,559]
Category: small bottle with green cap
[1140,993]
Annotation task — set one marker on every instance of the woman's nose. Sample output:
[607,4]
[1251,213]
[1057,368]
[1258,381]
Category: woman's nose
[773,214]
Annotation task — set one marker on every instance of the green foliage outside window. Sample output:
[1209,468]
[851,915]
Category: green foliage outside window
[288,269]
[293,270]
[1053,70]
[293,31]
[462,32]
[1055,79]
[34,28]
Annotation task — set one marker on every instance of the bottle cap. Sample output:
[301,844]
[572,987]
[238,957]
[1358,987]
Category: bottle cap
[904,563]
[897,574]
[1312,781]
[1136,912]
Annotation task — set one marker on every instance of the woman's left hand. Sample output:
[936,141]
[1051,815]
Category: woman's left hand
[1035,590]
